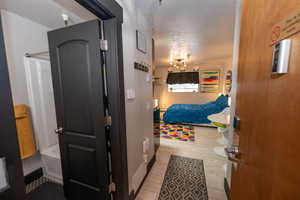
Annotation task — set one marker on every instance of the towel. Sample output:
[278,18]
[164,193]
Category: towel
[25,133]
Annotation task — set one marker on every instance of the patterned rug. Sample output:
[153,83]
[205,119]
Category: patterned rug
[184,180]
[177,132]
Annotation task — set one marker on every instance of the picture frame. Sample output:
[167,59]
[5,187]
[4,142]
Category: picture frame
[141,42]
[209,81]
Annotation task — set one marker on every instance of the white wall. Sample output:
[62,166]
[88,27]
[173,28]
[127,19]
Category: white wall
[22,36]
[166,99]
[139,110]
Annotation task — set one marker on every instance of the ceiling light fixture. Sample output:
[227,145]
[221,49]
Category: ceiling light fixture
[66,19]
[179,63]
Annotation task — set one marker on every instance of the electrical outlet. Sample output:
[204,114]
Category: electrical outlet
[145,158]
[146,145]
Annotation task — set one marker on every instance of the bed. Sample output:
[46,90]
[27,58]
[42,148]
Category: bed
[194,113]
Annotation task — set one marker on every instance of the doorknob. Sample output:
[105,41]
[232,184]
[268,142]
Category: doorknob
[233,153]
[59,131]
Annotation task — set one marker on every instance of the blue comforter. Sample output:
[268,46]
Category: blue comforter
[194,113]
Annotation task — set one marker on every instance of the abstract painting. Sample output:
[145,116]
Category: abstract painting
[210,81]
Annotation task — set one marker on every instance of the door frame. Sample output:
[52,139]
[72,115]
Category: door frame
[111,13]
[104,9]
[9,148]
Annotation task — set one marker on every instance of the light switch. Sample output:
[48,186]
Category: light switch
[130,94]
[148,77]
[3,176]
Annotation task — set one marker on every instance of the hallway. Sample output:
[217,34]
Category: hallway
[201,149]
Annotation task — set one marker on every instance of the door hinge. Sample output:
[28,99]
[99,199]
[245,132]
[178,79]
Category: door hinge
[112,187]
[107,121]
[104,45]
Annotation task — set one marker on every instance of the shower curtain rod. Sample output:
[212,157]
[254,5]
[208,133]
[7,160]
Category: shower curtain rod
[37,54]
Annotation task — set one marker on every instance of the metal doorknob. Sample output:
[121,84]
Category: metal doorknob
[233,153]
[59,131]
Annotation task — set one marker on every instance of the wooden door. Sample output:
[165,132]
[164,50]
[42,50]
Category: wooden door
[9,148]
[78,89]
[268,107]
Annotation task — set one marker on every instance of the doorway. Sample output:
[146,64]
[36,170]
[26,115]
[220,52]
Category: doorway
[38,106]
[193,72]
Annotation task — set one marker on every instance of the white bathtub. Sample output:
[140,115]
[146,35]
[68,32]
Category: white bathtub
[52,163]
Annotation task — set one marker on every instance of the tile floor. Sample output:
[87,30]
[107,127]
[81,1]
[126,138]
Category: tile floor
[47,191]
[202,149]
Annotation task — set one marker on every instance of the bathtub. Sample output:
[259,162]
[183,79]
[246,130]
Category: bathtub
[52,163]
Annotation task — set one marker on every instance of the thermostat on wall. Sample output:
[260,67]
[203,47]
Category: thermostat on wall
[281,57]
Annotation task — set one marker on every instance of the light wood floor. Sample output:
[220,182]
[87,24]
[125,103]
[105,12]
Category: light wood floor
[202,149]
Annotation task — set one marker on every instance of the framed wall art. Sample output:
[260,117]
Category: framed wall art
[209,81]
[141,42]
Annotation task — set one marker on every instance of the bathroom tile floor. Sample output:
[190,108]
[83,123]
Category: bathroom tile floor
[47,191]
[202,148]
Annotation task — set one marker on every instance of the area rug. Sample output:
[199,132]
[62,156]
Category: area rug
[184,180]
[177,132]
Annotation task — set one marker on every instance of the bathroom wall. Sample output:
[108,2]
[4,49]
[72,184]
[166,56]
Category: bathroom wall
[21,36]
[138,110]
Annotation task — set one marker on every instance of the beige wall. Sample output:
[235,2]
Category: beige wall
[139,111]
[167,99]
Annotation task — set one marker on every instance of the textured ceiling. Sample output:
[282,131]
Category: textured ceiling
[202,28]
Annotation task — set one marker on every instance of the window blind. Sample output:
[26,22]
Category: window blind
[183,77]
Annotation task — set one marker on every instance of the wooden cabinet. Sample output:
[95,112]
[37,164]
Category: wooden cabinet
[25,133]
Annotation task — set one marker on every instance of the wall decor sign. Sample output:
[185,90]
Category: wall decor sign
[141,67]
[141,42]
[286,28]
[209,81]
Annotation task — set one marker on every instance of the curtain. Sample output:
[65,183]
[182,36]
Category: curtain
[183,77]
